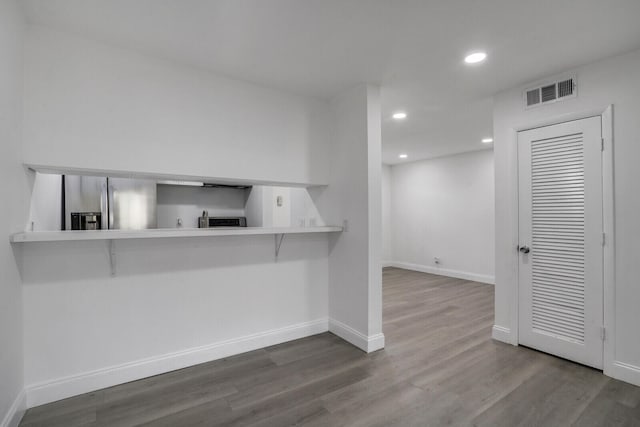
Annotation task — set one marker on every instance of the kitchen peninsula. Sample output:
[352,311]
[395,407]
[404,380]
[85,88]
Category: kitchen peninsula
[107,306]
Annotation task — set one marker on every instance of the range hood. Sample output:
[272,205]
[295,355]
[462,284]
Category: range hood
[203,184]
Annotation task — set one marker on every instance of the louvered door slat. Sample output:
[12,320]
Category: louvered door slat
[579,257]
[555,281]
[553,163]
[569,291]
[542,297]
[560,166]
[559,147]
[548,226]
[544,155]
[568,314]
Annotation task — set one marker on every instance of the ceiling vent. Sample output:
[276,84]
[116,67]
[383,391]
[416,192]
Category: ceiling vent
[550,92]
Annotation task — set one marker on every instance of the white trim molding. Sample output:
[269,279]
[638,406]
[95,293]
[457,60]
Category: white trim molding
[625,372]
[502,334]
[367,343]
[61,388]
[608,220]
[482,278]
[16,411]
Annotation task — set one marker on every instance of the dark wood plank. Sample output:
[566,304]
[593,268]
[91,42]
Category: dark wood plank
[440,367]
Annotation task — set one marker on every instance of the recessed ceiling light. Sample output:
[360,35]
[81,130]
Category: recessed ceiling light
[403,156]
[487,140]
[475,57]
[400,115]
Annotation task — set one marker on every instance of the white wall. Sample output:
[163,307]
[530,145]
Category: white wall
[444,208]
[353,195]
[13,211]
[304,212]
[93,106]
[172,302]
[613,81]
[280,215]
[387,252]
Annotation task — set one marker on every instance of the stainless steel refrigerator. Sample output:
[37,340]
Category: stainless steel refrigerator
[95,203]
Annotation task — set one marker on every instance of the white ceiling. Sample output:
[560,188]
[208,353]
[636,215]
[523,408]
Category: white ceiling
[414,49]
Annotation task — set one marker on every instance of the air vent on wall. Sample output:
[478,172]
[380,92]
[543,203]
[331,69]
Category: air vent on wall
[533,97]
[550,92]
[565,88]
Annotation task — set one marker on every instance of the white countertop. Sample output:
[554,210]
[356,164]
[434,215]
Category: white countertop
[57,236]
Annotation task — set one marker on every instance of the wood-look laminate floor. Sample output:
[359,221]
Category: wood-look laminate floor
[440,367]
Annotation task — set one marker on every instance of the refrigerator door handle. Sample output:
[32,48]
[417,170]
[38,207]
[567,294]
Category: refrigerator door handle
[110,203]
[104,205]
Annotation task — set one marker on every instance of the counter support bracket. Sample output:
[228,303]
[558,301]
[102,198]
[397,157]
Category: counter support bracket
[278,238]
[112,258]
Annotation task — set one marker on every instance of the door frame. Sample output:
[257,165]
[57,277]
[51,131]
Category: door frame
[608,299]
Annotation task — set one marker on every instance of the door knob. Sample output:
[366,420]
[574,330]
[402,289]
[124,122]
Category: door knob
[524,249]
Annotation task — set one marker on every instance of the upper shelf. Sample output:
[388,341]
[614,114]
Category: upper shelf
[68,170]
[58,236]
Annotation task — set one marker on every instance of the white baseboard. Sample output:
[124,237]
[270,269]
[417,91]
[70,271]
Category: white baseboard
[61,388]
[16,411]
[625,372]
[482,278]
[500,333]
[386,263]
[363,342]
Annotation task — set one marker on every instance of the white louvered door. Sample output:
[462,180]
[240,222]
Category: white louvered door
[560,237]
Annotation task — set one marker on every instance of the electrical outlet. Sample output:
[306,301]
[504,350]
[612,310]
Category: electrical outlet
[436,260]
[345,225]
